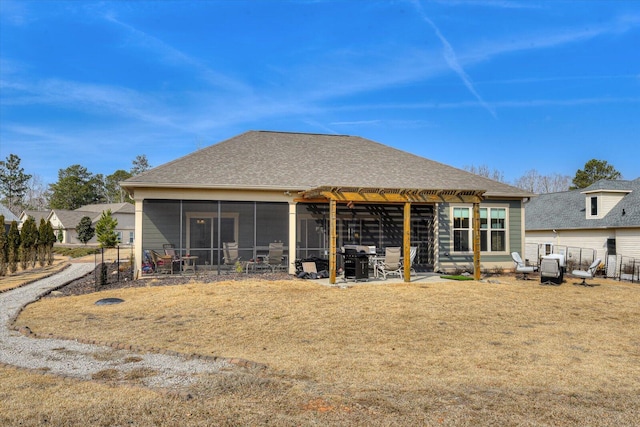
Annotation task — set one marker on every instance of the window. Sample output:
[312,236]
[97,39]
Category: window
[131,237]
[493,229]
[594,206]
[461,229]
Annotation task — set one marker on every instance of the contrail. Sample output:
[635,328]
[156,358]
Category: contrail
[452,60]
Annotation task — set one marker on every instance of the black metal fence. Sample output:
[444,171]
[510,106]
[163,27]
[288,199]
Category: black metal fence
[109,270]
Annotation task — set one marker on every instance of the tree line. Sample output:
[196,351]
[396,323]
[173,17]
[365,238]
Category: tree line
[76,186]
[533,182]
[27,246]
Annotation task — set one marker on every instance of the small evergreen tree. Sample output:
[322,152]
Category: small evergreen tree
[85,230]
[50,238]
[60,234]
[3,248]
[105,230]
[28,240]
[42,242]
[13,246]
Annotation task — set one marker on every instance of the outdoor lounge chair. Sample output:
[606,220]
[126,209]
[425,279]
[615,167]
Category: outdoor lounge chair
[275,257]
[587,274]
[163,263]
[176,262]
[550,272]
[391,263]
[231,256]
[413,251]
[521,267]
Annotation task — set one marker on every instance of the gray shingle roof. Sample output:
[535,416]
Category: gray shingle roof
[566,210]
[36,215]
[301,161]
[115,208]
[70,219]
[8,215]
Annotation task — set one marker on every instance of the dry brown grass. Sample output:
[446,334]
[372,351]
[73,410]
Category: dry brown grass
[22,277]
[440,353]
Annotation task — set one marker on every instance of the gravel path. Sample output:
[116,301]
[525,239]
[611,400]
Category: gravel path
[88,361]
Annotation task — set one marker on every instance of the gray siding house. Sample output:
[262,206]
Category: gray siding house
[604,218]
[67,220]
[305,190]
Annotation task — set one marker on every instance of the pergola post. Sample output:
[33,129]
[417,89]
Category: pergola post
[406,242]
[476,240]
[332,241]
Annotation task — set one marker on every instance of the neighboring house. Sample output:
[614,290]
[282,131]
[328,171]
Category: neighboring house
[262,187]
[36,215]
[603,218]
[67,221]
[8,217]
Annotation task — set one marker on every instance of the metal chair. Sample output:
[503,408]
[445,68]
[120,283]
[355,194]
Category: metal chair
[275,257]
[521,267]
[391,264]
[587,274]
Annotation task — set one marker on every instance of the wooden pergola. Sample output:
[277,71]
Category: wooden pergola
[405,196]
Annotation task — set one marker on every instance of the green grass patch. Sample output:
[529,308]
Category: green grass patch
[458,277]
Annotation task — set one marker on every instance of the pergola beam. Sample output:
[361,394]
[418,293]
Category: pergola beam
[405,196]
[392,195]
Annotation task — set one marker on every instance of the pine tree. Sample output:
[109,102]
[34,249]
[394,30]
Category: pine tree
[28,240]
[105,230]
[13,246]
[42,242]
[50,237]
[3,248]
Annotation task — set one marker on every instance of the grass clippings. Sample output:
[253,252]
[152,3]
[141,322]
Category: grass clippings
[448,353]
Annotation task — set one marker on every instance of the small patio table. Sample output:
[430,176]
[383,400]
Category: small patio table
[189,263]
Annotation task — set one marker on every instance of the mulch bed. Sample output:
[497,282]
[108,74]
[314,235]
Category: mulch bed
[89,283]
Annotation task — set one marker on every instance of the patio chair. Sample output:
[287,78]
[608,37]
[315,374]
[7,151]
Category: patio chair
[550,272]
[391,264]
[176,262]
[413,251]
[521,267]
[231,256]
[275,257]
[163,263]
[587,274]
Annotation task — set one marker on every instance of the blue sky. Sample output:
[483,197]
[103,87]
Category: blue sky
[513,85]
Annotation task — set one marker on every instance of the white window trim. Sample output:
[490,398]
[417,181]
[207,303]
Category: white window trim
[488,207]
[588,207]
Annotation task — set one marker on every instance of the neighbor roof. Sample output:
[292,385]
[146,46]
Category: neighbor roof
[566,210]
[114,207]
[8,215]
[302,161]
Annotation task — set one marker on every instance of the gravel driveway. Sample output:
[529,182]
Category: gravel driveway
[87,361]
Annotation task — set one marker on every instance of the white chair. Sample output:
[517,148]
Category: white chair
[275,257]
[391,263]
[550,271]
[587,274]
[521,267]
[413,251]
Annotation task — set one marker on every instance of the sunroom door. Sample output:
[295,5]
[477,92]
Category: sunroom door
[202,235]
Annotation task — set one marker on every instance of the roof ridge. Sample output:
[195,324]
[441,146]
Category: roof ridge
[300,133]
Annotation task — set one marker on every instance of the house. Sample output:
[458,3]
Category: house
[65,221]
[316,193]
[603,219]
[9,217]
[36,215]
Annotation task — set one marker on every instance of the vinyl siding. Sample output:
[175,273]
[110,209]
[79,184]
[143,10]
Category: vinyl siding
[628,242]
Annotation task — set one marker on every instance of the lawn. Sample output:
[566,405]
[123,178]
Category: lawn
[433,353]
